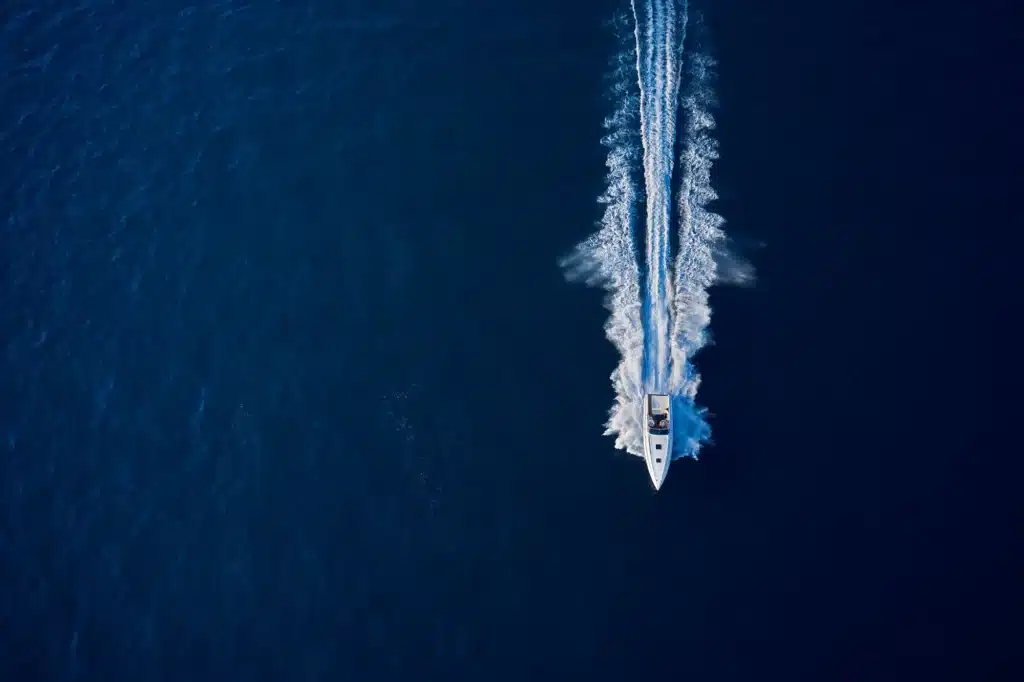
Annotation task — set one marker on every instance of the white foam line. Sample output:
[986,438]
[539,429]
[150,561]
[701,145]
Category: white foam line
[656,329]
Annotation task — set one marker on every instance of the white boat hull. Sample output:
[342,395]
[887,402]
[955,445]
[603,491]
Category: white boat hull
[657,442]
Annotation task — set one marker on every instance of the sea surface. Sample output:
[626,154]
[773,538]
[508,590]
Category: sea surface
[292,386]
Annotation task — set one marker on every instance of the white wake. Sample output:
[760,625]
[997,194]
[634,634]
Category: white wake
[659,310]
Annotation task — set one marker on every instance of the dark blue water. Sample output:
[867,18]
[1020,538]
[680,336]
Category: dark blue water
[292,386]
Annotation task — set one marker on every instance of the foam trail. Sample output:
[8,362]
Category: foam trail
[699,229]
[658,320]
[658,77]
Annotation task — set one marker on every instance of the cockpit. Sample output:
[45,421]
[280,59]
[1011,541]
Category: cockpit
[657,424]
[657,414]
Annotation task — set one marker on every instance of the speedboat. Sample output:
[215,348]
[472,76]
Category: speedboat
[657,437]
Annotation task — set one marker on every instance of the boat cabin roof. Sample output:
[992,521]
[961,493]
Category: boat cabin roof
[657,404]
